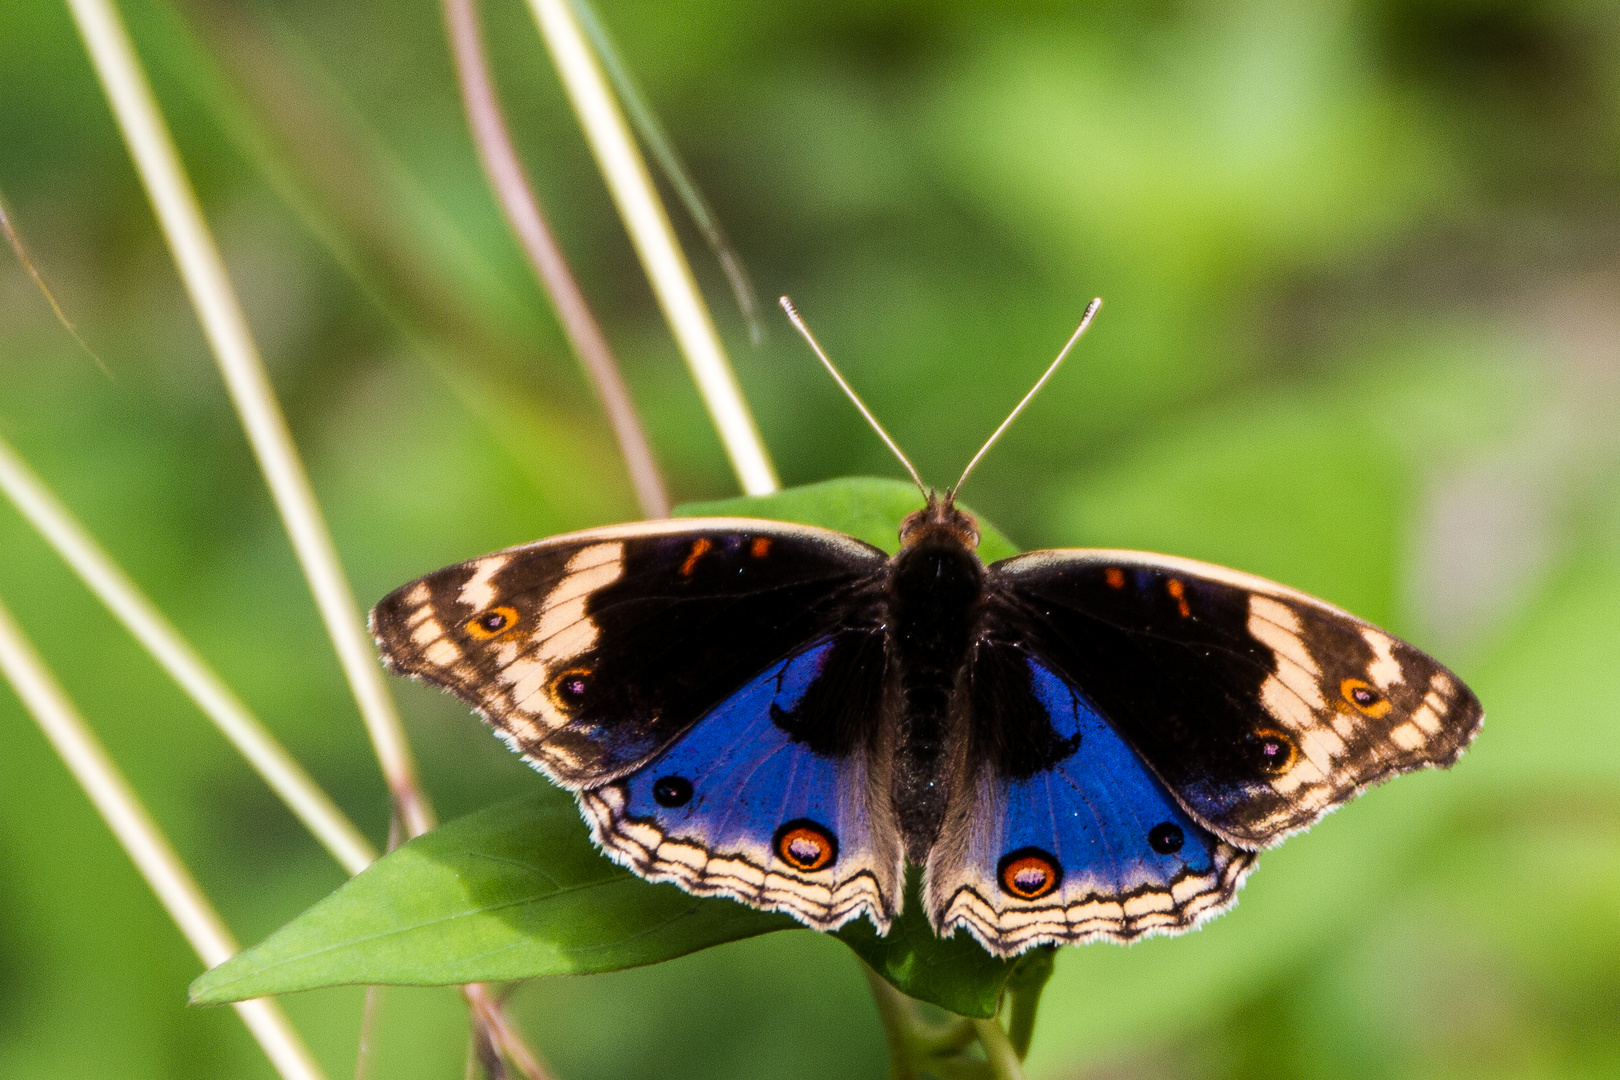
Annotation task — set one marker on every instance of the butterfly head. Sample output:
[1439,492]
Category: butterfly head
[940,522]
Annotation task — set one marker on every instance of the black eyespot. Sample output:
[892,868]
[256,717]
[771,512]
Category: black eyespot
[672,791]
[569,688]
[1166,838]
[1273,751]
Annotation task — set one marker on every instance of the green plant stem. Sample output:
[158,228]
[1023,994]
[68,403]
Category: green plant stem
[918,1048]
[944,1040]
[998,1050]
[1024,988]
[898,1017]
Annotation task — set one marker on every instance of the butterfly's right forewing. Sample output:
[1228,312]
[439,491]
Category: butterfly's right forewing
[1260,707]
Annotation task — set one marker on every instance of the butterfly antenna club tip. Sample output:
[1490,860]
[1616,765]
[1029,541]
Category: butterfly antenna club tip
[804,331]
[1085,321]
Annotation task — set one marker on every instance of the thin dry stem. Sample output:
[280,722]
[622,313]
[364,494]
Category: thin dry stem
[501,1032]
[368,1023]
[255,399]
[669,161]
[211,293]
[141,838]
[666,267]
[528,221]
[176,656]
[21,251]
[221,315]
[361,203]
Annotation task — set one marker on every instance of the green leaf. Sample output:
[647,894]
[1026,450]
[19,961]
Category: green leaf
[518,890]
[510,892]
[954,973]
[865,507]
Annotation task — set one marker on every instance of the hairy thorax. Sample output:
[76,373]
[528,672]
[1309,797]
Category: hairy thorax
[936,589]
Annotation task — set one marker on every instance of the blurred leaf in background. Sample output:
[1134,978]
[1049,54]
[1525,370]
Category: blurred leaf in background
[1361,336]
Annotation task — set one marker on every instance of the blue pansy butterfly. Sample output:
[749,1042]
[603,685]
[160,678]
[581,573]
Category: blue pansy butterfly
[1072,744]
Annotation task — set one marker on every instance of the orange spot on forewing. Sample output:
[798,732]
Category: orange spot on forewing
[760,547]
[1365,698]
[1115,577]
[700,548]
[1179,591]
[492,623]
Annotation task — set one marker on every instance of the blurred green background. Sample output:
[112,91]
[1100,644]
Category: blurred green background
[1361,268]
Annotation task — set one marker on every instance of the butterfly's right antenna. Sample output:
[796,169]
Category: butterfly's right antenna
[798,324]
[1085,321]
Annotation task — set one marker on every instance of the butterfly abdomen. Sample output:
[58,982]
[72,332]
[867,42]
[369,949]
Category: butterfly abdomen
[936,593]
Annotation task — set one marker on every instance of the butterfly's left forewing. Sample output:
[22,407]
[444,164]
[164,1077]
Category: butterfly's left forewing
[707,686]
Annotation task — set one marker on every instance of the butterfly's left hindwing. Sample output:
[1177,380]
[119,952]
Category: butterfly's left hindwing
[1261,708]
[591,652]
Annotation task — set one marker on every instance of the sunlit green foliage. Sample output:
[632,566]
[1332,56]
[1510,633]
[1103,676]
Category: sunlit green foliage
[1360,336]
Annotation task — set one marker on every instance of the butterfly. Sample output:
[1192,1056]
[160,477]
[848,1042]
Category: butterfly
[1072,744]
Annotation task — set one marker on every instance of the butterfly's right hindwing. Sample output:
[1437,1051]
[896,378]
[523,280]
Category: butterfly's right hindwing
[591,652]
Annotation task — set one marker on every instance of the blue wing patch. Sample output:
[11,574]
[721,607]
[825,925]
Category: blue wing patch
[739,807]
[1089,847]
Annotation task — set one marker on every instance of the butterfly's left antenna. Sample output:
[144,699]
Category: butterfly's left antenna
[798,324]
[1085,321]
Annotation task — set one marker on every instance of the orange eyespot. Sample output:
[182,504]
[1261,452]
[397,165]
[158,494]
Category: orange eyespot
[569,688]
[1367,701]
[492,623]
[1029,874]
[1276,752]
[805,846]
[1115,577]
